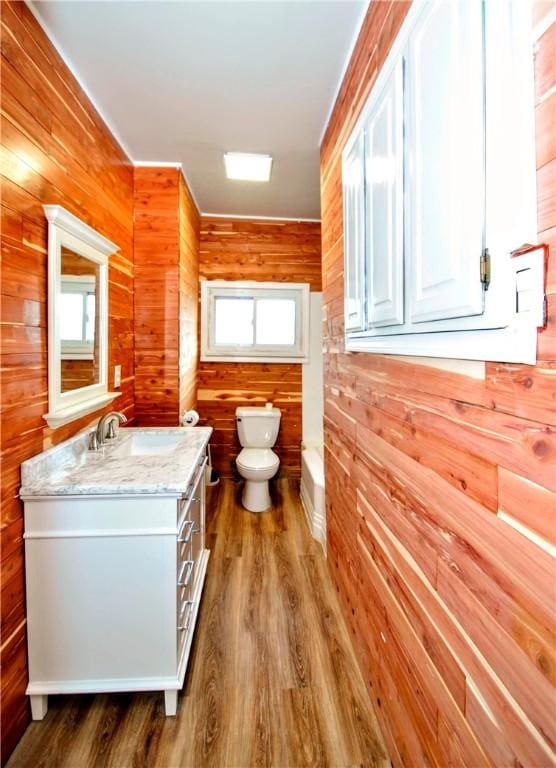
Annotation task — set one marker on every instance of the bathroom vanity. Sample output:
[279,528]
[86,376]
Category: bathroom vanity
[115,562]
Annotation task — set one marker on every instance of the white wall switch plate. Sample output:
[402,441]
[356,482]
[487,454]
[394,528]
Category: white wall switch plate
[529,286]
[117,375]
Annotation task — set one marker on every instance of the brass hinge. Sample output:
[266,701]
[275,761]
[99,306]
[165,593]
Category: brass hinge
[485,268]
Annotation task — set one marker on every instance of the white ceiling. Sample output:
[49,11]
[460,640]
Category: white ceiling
[185,81]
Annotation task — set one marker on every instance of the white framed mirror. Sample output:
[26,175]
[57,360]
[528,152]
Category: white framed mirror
[77,317]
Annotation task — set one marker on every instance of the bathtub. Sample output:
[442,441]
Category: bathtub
[312,491]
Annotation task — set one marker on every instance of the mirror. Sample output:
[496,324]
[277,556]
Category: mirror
[77,317]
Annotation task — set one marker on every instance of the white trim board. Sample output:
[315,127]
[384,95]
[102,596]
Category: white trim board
[514,344]
[246,217]
[156,164]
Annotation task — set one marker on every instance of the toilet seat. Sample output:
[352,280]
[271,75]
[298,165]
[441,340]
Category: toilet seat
[257,459]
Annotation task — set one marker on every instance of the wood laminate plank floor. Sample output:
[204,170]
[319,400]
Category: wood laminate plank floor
[272,678]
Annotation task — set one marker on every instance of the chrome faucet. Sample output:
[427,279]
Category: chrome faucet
[103,434]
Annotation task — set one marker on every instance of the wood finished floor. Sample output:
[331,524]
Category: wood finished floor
[272,679]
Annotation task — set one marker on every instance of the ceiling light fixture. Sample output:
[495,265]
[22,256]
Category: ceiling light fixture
[243,166]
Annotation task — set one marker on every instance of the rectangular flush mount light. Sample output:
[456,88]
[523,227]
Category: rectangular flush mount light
[243,166]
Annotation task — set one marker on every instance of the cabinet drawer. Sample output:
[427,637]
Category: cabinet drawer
[193,493]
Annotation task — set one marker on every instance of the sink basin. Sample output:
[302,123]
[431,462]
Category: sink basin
[149,445]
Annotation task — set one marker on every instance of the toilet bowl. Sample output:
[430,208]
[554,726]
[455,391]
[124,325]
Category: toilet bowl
[257,463]
[257,466]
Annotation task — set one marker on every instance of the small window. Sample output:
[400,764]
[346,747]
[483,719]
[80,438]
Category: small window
[244,321]
[77,317]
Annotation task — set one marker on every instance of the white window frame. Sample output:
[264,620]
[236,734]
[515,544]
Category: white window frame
[296,353]
[501,332]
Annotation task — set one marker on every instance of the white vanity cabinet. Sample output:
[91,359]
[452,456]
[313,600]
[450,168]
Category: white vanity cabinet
[114,585]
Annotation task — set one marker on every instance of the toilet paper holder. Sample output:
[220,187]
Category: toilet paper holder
[190,419]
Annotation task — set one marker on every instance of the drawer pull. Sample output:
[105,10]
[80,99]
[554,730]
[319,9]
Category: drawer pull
[185,626]
[185,575]
[185,539]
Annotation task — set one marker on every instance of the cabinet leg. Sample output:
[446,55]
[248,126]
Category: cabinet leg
[170,702]
[39,706]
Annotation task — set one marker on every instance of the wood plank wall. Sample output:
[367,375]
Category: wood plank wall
[166,289]
[55,149]
[189,227]
[251,249]
[451,609]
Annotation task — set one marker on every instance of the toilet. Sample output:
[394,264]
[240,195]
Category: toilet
[257,429]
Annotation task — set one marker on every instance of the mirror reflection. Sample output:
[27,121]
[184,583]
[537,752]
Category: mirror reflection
[79,321]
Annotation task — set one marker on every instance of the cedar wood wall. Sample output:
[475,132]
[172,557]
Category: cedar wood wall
[251,249]
[55,149]
[166,251]
[450,609]
[469,448]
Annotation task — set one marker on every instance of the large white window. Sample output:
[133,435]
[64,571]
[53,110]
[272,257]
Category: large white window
[251,321]
[439,190]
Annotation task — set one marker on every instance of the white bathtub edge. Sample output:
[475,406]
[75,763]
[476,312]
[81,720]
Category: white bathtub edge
[312,464]
[315,521]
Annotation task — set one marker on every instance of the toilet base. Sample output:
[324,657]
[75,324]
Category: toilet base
[256,496]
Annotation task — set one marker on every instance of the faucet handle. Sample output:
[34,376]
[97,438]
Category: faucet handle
[111,430]
[93,441]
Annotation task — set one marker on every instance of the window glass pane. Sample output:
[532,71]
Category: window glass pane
[233,321]
[71,316]
[90,319]
[276,321]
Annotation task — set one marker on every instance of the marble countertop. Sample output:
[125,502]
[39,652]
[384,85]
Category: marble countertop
[122,466]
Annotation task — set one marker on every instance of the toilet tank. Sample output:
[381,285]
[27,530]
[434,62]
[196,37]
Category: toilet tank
[257,427]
